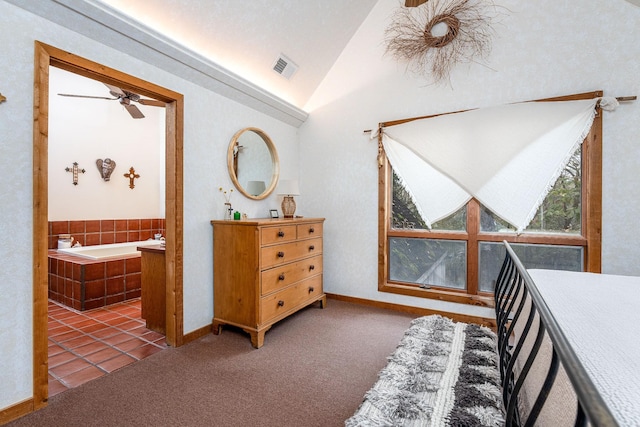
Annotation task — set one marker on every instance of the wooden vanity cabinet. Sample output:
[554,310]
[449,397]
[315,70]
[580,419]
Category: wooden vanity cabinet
[265,270]
[153,272]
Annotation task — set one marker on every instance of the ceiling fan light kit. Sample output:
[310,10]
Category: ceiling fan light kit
[124,97]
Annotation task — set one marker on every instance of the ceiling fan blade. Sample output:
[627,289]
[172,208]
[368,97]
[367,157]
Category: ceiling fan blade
[87,96]
[134,111]
[414,3]
[151,102]
[115,90]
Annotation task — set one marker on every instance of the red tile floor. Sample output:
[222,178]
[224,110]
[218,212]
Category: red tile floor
[89,344]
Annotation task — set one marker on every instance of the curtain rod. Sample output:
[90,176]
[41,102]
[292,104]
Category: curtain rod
[618,98]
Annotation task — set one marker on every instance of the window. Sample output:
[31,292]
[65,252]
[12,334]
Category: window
[459,259]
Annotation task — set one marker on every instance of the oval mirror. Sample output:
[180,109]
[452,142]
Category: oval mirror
[253,164]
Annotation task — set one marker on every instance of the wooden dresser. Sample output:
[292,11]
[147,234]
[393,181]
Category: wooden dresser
[264,270]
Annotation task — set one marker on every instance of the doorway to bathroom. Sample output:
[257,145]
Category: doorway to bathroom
[46,57]
[95,311]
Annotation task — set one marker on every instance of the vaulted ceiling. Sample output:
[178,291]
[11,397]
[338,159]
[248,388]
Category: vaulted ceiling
[247,36]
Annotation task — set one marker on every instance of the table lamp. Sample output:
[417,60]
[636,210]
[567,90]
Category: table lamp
[288,188]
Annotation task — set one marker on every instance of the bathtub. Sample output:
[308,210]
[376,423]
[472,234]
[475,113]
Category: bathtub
[114,250]
[89,277]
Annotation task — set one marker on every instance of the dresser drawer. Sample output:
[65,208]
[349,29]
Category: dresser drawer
[305,231]
[271,256]
[290,298]
[283,233]
[284,275]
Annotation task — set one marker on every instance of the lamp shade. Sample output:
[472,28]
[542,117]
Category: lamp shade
[255,188]
[288,187]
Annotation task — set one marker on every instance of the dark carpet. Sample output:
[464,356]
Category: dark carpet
[313,370]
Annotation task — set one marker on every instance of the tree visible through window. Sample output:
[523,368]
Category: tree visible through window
[459,257]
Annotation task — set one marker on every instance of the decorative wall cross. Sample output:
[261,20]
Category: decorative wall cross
[131,175]
[75,171]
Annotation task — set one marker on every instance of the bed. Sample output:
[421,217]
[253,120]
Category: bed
[568,346]
[564,354]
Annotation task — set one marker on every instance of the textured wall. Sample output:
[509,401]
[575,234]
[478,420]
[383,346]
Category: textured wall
[540,49]
[210,122]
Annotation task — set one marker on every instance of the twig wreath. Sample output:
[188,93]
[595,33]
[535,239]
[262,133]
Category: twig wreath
[437,35]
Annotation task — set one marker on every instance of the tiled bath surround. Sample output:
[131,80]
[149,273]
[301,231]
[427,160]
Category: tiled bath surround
[85,284]
[105,231]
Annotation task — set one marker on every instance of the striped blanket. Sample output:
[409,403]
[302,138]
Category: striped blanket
[441,374]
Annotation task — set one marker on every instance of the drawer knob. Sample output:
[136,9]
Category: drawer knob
[281,277]
[311,247]
[280,254]
[312,267]
[312,230]
[280,233]
[311,289]
[280,303]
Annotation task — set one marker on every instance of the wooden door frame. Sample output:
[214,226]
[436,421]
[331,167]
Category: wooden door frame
[46,56]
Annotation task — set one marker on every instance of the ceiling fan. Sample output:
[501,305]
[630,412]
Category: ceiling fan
[124,97]
[414,3]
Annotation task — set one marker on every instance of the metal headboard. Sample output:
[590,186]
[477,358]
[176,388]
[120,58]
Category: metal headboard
[516,293]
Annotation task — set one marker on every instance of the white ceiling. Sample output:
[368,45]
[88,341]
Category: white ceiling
[246,37]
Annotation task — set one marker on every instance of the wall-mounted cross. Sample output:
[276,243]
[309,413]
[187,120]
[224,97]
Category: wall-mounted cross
[75,171]
[131,175]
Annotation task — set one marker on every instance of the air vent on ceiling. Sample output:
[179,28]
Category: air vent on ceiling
[284,66]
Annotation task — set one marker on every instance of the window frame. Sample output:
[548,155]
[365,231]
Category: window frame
[591,231]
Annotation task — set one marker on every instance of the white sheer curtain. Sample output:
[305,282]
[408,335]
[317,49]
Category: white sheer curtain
[507,157]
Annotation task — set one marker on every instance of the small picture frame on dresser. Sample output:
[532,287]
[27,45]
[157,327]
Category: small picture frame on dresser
[274,213]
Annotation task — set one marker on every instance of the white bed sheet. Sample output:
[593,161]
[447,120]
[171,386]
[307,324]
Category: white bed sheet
[600,316]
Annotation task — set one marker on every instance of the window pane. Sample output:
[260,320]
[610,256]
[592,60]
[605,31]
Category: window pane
[428,262]
[492,223]
[550,257]
[455,222]
[561,210]
[405,214]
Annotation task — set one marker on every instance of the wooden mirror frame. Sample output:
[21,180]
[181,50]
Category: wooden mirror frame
[275,163]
